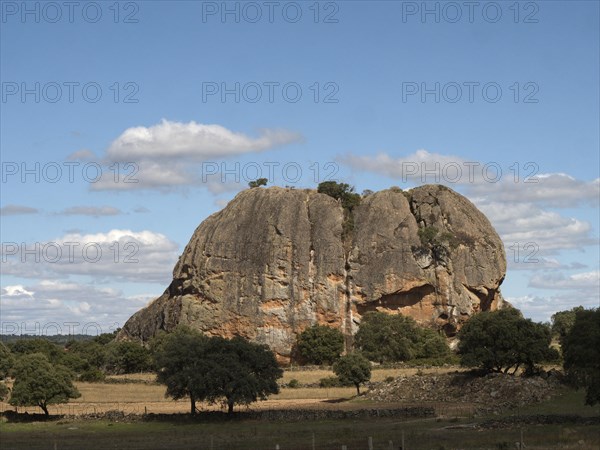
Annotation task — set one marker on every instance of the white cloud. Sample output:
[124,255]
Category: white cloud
[82,155]
[172,155]
[140,256]
[62,307]
[541,308]
[94,211]
[524,223]
[586,281]
[15,210]
[176,140]
[521,182]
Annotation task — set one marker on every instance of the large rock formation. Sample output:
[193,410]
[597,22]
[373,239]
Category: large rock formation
[275,261]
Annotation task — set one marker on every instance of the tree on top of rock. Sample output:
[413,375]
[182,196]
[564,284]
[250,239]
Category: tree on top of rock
[257,183]
[340,191]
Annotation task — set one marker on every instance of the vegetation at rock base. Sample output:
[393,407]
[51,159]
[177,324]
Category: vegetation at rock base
[6,360]
[353,368]
[3,391]
[128,357]
[216,370]
[39,383]
[257,183]
[563,321]
[581,353]
[320,344]
[385,338]
[499,341]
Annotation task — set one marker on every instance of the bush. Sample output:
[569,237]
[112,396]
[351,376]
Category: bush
[293,384]
[92,375]
[320,344]
[389,338]
[330,382]
[340,191]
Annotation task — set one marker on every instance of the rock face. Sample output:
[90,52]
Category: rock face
[275,261]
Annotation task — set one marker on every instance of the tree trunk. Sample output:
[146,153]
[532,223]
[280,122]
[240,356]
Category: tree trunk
[357,389]
[229,406]
[45,409]
[193,405]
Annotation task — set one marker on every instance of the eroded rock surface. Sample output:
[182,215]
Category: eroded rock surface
[276,260]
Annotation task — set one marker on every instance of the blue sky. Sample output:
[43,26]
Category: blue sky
[369,93]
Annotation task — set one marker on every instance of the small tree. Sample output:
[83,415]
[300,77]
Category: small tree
[178,359]
[320,344]
[500,340]
[240,372]
[581,353]
[39,383]
[258,183]
[353,369]
[340,191]
[214,369]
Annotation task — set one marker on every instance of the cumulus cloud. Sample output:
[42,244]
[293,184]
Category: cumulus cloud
[541,308]
[518,183]
[525,223]
[139,256]
[171,155]
[17,210]
[171,140]
[583,281]
[51,307]
[82,155]
[94,211]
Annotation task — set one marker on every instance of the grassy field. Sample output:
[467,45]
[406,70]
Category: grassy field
[456,431]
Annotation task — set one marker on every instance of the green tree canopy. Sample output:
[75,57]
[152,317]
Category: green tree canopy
[128,357]
[353,369]
[581,353]
[215,369]
[179,362]
[563,321]
[6,361]
[385,337]
[3,391]
[340,191]
[320,344]
[39,383]
[258,182]
[501,340]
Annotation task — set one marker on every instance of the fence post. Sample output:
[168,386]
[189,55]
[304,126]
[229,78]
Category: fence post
[391,445]
[313,441]
[402,442]
[370,443]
